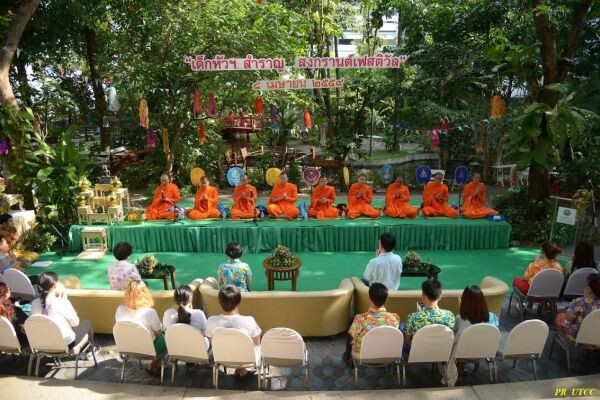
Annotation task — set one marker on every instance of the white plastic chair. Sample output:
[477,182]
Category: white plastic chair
[282,347]
[9,342]
[380,347]
[545,287]
[588,335]
[233,348]
[478,342]
[187,344]
[19,284]
[526,340]
[45,339]
[134,341]
[577,282]
[431,344]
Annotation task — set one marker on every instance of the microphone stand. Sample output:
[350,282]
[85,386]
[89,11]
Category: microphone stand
[175,219]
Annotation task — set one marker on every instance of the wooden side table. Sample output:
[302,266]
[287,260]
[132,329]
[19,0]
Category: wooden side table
[163,274]
[281,274]
[94,239]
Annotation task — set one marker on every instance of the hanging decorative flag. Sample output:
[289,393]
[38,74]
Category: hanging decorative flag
[243,119]
[258,106]
[5,147]
[260,1]
[112,99]
[307,119]
[498,110]
[165,139]
[445,124]
[197,103]
[144,118]
[311,175]
[231,119]
[150,138]
[435,140]
[273,116]
[212,105]
[202,133]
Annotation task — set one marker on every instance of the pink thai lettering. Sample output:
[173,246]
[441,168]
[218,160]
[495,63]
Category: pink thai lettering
[370,62]
[247,61]
[379,60]
[301,62]
[261,63]
[272,85]
[278,64]
[257,85]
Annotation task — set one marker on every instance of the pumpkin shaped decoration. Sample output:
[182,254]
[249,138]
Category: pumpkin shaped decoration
[132,217]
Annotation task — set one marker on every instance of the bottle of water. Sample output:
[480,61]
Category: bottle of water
[381,213]
[343,214]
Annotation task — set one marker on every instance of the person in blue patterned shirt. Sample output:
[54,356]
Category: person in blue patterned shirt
[235,272]
[429,313]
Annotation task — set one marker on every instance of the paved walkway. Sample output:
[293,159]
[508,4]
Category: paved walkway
[16,388]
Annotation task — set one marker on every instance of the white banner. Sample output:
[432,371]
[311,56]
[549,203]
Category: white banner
[566,215]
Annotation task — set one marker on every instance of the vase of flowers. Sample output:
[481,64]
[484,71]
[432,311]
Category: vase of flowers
[283,258]
[413,266]
[146,265]
[84,184]
[116,184]
[81,200]
[411,261]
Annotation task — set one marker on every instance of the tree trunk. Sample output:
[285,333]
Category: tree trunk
[9,47]
[91,46]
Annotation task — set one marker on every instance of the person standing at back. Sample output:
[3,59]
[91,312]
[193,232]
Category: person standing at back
[386,268]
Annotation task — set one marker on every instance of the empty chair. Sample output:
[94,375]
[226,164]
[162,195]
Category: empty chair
[134,341]
[233,348]
[187,344]
[46,339]
[478,342]
[588,335]
[545,287]
[380,347]
[9,342]
[525,341]
[431,344]
[577,282]
[282,347]
[19,284]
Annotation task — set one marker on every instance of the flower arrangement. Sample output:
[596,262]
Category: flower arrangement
[81,199]
[84,184]
[412,257]
[147,264]
[115,182]
[4,203]
[282,257]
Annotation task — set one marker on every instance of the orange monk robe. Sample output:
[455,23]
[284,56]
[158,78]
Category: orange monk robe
[474,204]
[361,206]
[205,208]
[323,210]
[244,207]
[398,207]
[285,206]
[433,207]
[158,208]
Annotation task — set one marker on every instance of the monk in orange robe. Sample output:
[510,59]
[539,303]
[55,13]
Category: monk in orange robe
[282,199]
[321,206]
[360,196]
[435,199]
[473,205]
[205,205]
[244,200]
[165,196]
[396,200]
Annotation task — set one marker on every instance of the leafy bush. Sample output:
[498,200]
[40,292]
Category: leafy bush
[37,239]
[513,206]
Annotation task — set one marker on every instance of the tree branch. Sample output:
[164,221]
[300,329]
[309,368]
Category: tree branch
[577,24]
[547,36]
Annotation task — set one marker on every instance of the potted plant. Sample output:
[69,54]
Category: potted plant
[116,184]
[146,265]
[282,258]
[413,266]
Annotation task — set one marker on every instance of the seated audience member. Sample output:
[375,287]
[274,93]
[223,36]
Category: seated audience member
[474,198]
[583,257]
[360,196]
[321,205]
[473,310]
[386,268]
[6,260]
[579,308]
[53,303]
[235,272]
[397,199]
[205,204]
[185,314]
[7,226]
[137,307]
[229,298]
[121,272]
[165,196]
[363,323]
[550,251]
[429,313]
[13,313]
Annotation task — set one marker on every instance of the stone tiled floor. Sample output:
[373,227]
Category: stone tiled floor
[327,369]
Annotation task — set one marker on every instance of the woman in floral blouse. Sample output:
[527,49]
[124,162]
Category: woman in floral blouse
[235,272]
[550,251]
[570,321]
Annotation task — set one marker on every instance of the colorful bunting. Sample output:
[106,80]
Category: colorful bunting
[307,119]
[212,105]
[273,116]
[258,106]
[144,118]
[202,133]
[498,110]
[197,103]
[150,138]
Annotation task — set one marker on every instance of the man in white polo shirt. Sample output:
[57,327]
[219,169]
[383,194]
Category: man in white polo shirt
[386,268]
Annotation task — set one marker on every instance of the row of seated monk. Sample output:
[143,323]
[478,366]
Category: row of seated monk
[281,202]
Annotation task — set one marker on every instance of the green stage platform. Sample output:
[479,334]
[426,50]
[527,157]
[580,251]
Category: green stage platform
[307,236]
